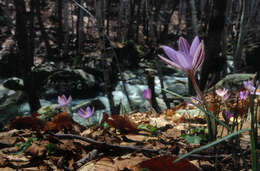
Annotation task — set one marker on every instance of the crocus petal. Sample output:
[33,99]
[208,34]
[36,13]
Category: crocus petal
[171,53]
[194,45]
[59,99]
[222,93]
[84,116]
[185,61]
[69,100]
[198,58]
[81,112]
[184,46]
[147,94]
[249,85]
[89,111]
[243,95]
[170,62]
[62,100]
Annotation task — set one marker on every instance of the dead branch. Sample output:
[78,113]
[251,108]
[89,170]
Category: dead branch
[104,144]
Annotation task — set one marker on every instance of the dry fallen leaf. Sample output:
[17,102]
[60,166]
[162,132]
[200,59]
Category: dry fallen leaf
[166,163]
[122,123]
[60,121]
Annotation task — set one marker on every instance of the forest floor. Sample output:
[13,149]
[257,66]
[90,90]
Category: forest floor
[136,141]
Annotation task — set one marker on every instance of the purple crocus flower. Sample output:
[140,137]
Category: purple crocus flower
[86,113]
[222,93]
[63,101]
[227,115]
[243,95]
[187,58]
[147,94]
[249,86]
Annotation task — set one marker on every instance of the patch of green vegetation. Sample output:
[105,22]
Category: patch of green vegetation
[196,135]
[148,127]
[51,148]
[25,145]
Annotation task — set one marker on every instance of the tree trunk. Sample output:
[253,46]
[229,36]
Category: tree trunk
[25,42]
[214,60]
[80,29]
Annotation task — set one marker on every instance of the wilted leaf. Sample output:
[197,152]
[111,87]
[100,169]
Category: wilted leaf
[25,122]
[166,163]
[60,121]
[122,123]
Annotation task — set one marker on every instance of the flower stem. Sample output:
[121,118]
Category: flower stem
[196,87]
[200,94]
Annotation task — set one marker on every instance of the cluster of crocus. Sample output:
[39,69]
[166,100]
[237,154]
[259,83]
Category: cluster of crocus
[188,58]
[86,113]
[63,101]
[223,93]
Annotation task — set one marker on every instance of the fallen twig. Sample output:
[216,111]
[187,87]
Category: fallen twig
[113,146]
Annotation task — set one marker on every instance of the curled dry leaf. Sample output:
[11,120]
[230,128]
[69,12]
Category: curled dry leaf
[122,123]
[60,121]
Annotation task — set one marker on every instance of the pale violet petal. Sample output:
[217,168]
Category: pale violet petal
[194,45]
[185,62]
[171,53]
[184,46]
[198,58]
[170,62]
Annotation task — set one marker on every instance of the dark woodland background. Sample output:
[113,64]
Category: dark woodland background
[123,34]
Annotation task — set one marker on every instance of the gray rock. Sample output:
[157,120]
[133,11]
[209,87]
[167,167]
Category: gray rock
[9,103]
[233,81]
[76,83]
[14,83]
[42,72]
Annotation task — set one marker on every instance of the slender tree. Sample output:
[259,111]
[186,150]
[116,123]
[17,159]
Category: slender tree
[25,40]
